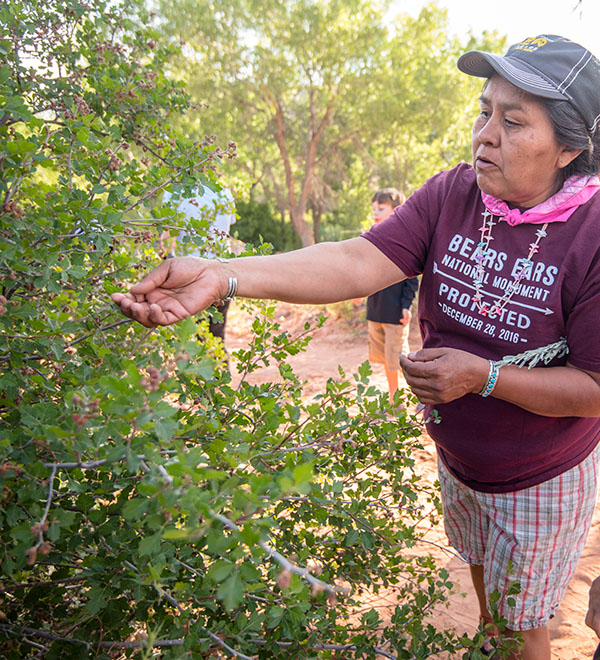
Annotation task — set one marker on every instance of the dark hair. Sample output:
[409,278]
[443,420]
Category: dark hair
[571,132]
[389,196]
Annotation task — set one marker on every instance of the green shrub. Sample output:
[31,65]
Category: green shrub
[257,224]
[146,504]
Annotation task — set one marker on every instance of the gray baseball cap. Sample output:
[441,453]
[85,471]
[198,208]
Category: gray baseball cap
[549,66]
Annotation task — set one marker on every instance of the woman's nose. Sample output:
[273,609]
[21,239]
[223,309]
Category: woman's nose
[488,132]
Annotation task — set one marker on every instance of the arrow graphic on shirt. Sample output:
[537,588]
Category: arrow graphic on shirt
[546,311]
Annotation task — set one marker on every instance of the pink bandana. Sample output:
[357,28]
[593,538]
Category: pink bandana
[577,190]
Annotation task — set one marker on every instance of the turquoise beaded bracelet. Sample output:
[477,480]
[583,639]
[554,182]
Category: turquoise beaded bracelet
[492,379]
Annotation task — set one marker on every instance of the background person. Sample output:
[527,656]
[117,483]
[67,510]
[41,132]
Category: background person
[592,618]
[388,310]
[509,251]
[219,209]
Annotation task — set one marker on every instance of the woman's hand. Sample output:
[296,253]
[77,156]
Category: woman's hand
[176,289]
[440,375]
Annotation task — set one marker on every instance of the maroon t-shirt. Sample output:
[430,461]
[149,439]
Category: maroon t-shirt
[489,444]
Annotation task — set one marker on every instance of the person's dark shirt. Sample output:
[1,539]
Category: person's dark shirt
[386,305]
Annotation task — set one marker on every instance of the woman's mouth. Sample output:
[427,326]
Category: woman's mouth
[482,163]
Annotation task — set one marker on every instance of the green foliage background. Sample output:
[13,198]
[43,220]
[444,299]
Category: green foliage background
[147,506]
[258,223]
[327,101]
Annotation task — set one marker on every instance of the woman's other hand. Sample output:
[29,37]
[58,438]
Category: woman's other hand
[440,375]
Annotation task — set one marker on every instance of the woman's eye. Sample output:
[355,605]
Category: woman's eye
[510,123]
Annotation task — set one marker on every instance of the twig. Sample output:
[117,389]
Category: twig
[42,522]
[332,647]
[24,630]
[47,583]
[49,500]
[84,466]
[70,163]
[220,642]
[165,474]
[142,339]
[165,643]
[6,358]
[215,638]
[39,647]
[90,465]
[318,444]
[280,559]
[441,547]
[116,324]
[159,643]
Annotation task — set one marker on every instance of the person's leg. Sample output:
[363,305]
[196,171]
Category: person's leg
[478,585]
[377,347]
[217,328]
[536,642]
[535,646]
[405,332]
[485,617]
[392,380]
[394,336]
[466,527]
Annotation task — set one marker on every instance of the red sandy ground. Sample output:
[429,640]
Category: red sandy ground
[343,341]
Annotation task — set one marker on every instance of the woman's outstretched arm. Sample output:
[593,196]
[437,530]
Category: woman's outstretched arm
[322,273]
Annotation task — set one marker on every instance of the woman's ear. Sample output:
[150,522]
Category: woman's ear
[567,156]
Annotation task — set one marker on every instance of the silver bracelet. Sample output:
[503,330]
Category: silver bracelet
[232,287]
[492,379]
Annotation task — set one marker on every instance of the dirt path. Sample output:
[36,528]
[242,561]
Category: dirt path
[343,341]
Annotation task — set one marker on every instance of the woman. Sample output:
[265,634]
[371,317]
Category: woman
[509,251]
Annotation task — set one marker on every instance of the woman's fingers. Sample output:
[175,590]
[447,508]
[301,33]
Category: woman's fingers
[440,375]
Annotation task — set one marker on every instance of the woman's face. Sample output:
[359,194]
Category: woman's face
[515,153]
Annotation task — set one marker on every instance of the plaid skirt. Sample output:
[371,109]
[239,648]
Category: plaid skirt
[533,537]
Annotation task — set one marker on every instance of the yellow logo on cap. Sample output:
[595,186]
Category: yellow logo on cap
[532,43]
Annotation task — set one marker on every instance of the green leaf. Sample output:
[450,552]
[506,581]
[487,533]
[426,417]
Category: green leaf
[303,473]
[150,544]
[231,591]
[97,600]
[220,570]
[134,508]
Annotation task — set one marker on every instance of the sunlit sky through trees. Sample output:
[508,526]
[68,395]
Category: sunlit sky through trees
[519,18]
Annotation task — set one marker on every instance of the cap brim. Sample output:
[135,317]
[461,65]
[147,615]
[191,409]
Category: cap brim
[483,65]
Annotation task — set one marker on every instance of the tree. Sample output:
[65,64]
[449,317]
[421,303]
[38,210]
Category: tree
[146,504]
[426,104]
[316,86]
[283,70]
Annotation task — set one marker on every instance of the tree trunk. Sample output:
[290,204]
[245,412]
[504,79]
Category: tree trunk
[316,218]
[302,228]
